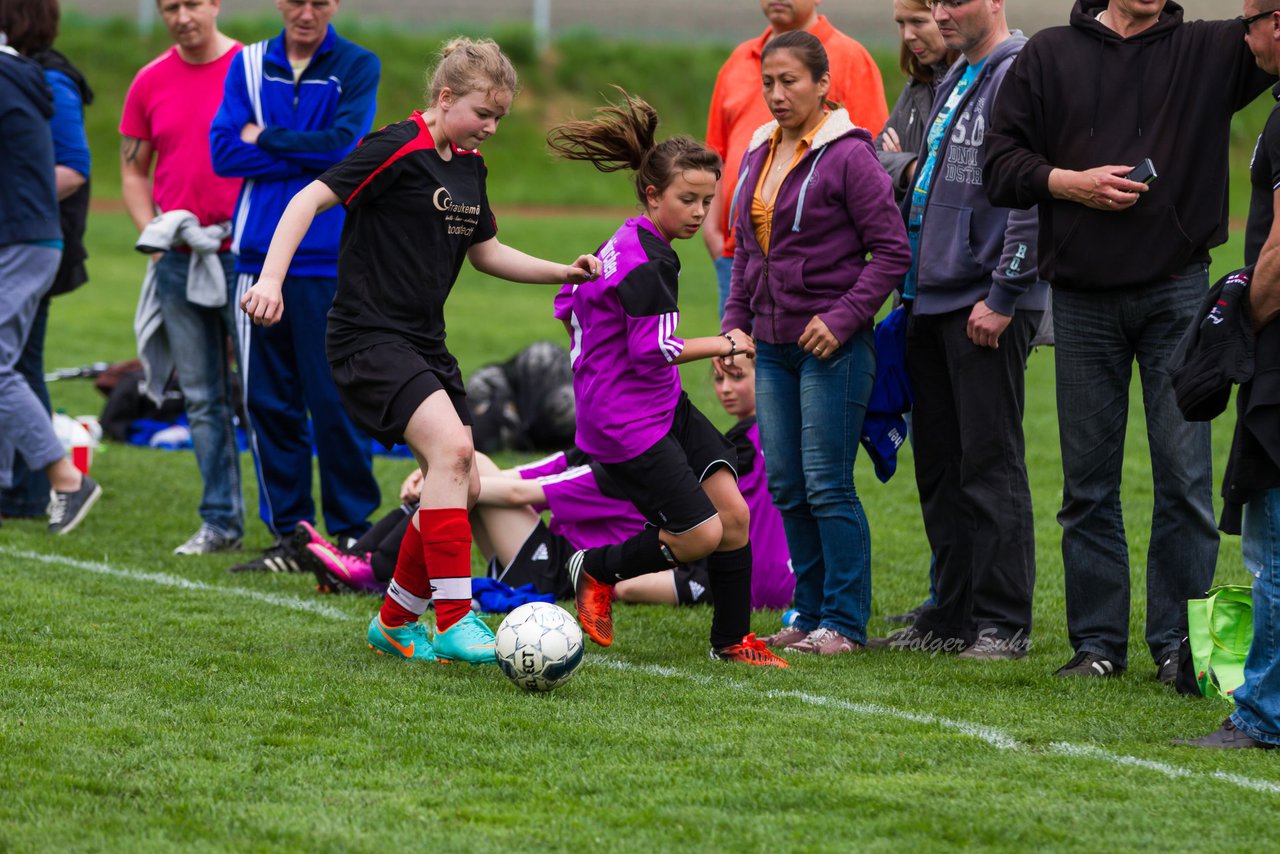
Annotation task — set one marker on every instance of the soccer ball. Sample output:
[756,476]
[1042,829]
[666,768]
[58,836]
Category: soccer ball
[539,646]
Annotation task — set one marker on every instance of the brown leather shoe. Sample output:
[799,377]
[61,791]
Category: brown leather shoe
[1226,736]
[826,642]
[785,638]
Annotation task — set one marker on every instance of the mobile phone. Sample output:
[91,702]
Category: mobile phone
[1143,173]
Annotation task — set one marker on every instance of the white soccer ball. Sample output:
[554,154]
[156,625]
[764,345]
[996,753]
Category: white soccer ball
[539,646]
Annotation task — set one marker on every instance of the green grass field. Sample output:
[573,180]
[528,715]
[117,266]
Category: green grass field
[152,703]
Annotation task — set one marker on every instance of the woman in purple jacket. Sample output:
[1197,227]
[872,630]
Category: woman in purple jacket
[811,204]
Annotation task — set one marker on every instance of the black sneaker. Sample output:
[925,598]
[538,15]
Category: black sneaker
[1089,664]
[68,509]
[908,618]
[281,557]
[1225,737]
[1167,668]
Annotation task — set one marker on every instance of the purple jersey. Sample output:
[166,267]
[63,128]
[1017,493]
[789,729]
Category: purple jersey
[584,515]
[772,579]
[625,380]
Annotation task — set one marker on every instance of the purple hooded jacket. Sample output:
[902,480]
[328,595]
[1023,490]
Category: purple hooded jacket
[833,209]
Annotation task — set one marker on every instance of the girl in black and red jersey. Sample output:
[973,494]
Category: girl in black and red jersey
[416,205]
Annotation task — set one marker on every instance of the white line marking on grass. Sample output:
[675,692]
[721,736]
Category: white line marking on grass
[291,602]
[1173,771]
[995,737]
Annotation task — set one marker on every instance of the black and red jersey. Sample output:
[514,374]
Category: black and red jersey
[411,217]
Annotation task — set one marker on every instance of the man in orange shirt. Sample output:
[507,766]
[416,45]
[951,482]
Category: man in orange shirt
[738,106]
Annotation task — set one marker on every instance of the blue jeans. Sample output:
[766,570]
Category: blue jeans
[724,267]
[810,413]
[1258,699]
[1099,335]
[198,342]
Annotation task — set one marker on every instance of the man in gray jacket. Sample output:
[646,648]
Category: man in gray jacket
[976,299]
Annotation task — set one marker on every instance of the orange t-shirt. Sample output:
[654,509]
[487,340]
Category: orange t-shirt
[738,107]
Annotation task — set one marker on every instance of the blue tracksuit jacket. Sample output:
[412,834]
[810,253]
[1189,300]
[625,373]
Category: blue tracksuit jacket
[307,127]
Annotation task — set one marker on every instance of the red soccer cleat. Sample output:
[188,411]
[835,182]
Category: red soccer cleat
[751,651]
[594,601]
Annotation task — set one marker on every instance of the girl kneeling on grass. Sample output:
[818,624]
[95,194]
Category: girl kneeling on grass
[416,208]
[633,417]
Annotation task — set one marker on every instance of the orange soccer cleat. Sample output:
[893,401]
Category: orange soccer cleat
[594,601]
[751,651]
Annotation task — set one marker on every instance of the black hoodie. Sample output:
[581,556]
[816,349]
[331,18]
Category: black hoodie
[1080,96]
[74,209]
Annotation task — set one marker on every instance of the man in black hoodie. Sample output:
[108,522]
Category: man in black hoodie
[1127,80]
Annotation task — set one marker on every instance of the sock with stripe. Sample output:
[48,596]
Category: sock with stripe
[410,588]
[446,546]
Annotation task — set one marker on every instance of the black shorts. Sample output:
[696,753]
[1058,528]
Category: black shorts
[665,482]
[540,562]
[383,385]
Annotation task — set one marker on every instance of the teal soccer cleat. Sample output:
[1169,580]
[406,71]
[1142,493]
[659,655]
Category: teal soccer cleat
[468,640]
[408,641]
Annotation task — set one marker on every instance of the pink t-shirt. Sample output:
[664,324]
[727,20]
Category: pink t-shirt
[171,104]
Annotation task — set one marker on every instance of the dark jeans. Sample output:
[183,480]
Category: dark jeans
[972,475]
[29,495]
[1099,335]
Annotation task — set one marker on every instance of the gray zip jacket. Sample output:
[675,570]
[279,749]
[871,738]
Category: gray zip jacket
[907,118]
[969,250]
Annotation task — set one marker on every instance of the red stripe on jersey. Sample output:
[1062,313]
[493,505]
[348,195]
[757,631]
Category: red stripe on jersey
[421,142]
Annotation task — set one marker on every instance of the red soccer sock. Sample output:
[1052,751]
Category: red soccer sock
[410,587]
[446,546]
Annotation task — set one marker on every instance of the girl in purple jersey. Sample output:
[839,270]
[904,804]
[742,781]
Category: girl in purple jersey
[633,417]
[416,208]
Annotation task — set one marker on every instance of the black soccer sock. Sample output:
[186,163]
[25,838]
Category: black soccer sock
[383,541]
[639,555]
[729,574]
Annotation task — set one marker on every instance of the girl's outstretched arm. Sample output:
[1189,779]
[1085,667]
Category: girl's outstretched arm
[734,344]
[263,302]
[504,262]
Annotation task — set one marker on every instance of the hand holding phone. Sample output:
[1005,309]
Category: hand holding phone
[1143,173]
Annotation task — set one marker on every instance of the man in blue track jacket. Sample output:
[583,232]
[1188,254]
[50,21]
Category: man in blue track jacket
[294,105]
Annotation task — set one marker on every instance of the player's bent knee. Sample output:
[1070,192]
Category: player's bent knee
[697,543]
[736,524]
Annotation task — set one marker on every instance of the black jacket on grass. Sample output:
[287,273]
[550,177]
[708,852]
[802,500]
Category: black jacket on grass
[1080,96]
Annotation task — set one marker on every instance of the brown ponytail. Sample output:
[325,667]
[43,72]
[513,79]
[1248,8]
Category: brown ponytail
[621,136]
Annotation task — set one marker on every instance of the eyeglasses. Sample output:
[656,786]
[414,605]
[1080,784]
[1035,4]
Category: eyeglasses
[949,5]
[1248,22]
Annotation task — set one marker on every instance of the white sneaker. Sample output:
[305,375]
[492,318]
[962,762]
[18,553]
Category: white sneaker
[206,541]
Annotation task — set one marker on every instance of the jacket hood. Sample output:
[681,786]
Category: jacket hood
[1004,51]
[26,77]
[838,124]
[51,60]
[1084,16]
